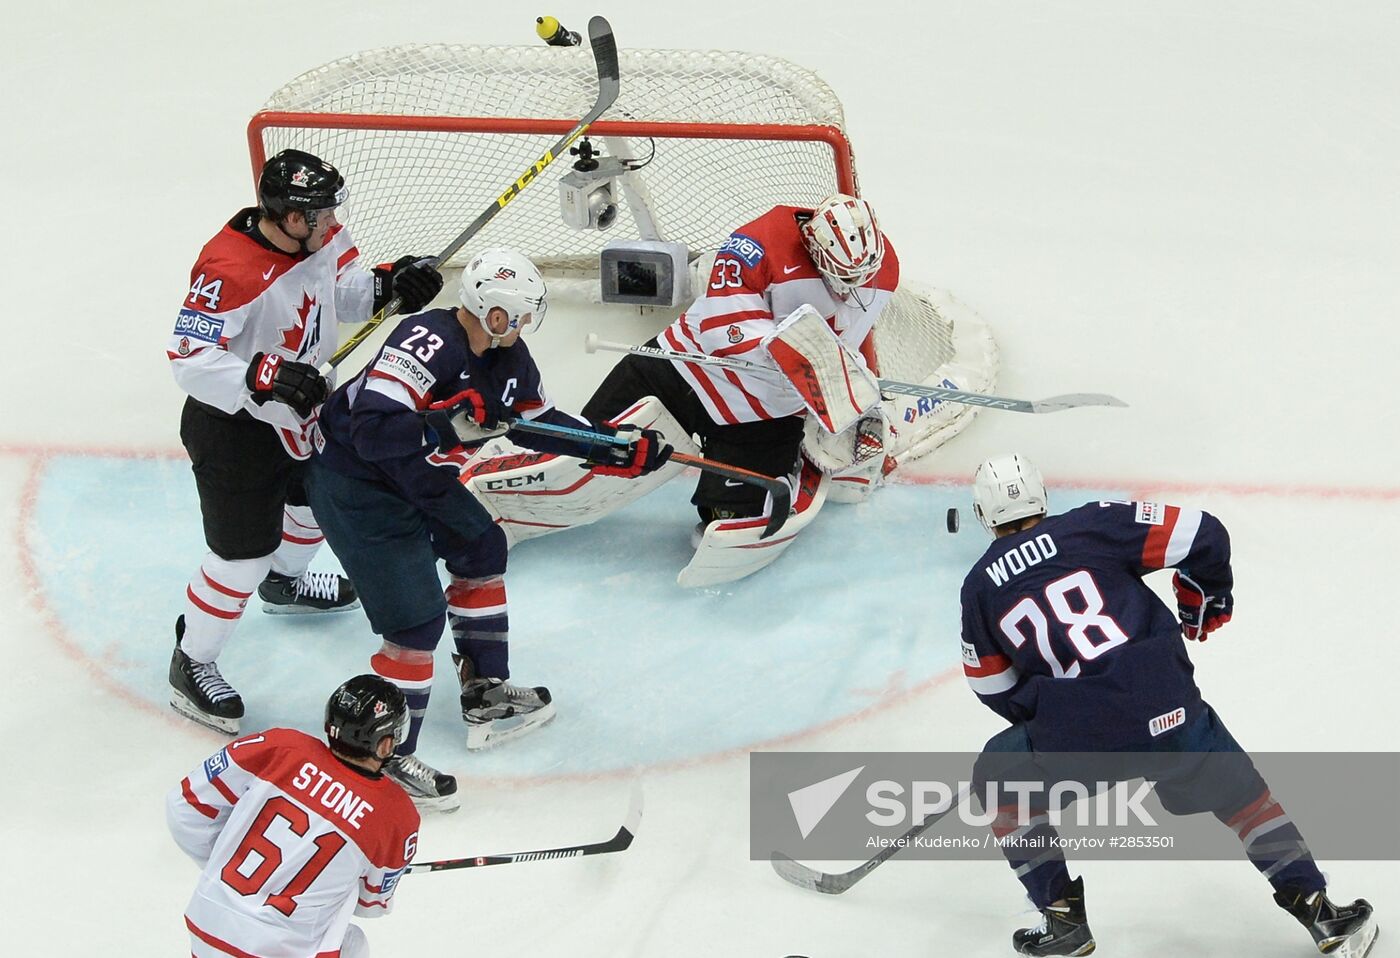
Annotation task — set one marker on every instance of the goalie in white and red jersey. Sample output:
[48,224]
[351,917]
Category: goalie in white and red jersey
[260,316]
[294,837]
[833,258]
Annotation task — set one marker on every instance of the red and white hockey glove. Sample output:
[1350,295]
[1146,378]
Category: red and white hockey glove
[299,385]
[1200,612]
[646,453]
[466,418]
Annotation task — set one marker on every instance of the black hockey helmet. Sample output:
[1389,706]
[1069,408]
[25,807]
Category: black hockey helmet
[297,180]
[364,710]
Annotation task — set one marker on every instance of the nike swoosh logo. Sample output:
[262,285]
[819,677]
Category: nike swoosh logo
[269,272]
[731,482]
[786,270]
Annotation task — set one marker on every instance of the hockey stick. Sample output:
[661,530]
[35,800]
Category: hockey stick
[777,488]
[592,343]
[600,37]
[834,883]
[618,843]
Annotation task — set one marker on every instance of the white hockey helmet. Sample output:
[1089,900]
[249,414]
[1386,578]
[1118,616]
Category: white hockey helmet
[844,241]
[502,278]
[1007,488]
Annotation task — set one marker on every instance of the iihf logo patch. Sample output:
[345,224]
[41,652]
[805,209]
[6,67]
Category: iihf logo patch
[1013,491]
[734,334]
[184,347]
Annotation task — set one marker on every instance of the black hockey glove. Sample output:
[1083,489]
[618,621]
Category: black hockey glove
[647,453]
[299,385]
[1200,613]
[413,279]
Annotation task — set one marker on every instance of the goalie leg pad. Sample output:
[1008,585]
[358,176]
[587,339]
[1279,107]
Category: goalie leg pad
[731,549]
[531,494]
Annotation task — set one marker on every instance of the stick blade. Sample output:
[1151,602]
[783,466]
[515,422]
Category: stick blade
[1075,400]
[800,875]
[782,508]
[604,45]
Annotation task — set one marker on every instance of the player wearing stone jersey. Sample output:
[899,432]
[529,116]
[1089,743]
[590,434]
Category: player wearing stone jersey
[389,495]
[834,258]
[1062,638]
[260,316]
[295,837]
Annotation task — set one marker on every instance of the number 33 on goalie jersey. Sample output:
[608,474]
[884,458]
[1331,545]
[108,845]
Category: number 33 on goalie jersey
[1060,633]
[292,842]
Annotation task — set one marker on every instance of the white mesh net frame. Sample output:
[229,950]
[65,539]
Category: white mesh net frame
[428,136]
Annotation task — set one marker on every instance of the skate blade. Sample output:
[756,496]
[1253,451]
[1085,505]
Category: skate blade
[442,804]
[295,609]
[503,730]
[1359,944]
[188,709]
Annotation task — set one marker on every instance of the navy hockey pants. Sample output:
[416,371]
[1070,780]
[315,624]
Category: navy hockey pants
[390,548]
[1199,767]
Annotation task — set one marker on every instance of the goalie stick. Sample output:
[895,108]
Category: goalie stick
[592,343]
[834,883]
[604,46]
[779,490]
[618,843]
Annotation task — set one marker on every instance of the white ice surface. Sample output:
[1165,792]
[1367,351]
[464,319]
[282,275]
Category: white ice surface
[1192,205]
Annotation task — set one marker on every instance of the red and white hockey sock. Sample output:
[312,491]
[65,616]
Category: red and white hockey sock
[480,619]
[301,537]
[214,601]
[412,671]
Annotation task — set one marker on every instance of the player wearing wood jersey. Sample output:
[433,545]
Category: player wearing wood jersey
[1063,639]
[294,836]
[265,298]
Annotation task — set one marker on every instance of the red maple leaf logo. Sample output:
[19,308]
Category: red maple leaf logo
[294,334]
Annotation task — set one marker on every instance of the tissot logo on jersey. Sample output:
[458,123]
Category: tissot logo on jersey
[196,325]
[406,369]
[1150,513]
[742,247]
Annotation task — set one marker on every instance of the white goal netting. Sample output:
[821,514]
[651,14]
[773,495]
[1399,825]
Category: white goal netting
[428,136]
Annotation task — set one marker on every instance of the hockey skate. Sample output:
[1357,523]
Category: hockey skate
[199,692]
[1062,930]
[430,789]
[496,711]
[309,593]
[1346,931]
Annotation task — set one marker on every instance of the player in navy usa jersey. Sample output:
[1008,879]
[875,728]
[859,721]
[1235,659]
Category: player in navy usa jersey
[1063,639]
[386,487]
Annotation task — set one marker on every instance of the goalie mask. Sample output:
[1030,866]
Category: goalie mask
[844,242]
[1005,489]
[504,279]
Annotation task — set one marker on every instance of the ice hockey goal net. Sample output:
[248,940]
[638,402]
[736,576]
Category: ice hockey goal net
[427,136]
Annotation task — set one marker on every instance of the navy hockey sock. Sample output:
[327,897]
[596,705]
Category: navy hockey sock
[1275,846]
[480,620]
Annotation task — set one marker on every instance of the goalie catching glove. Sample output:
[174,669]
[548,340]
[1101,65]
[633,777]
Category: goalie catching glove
[1200,613]
[299,385]
[414,279]
[644,454]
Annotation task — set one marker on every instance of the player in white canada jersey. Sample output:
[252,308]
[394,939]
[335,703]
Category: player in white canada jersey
[260,315]
[295,837]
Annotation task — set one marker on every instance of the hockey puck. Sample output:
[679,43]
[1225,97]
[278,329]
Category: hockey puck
[953,519]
